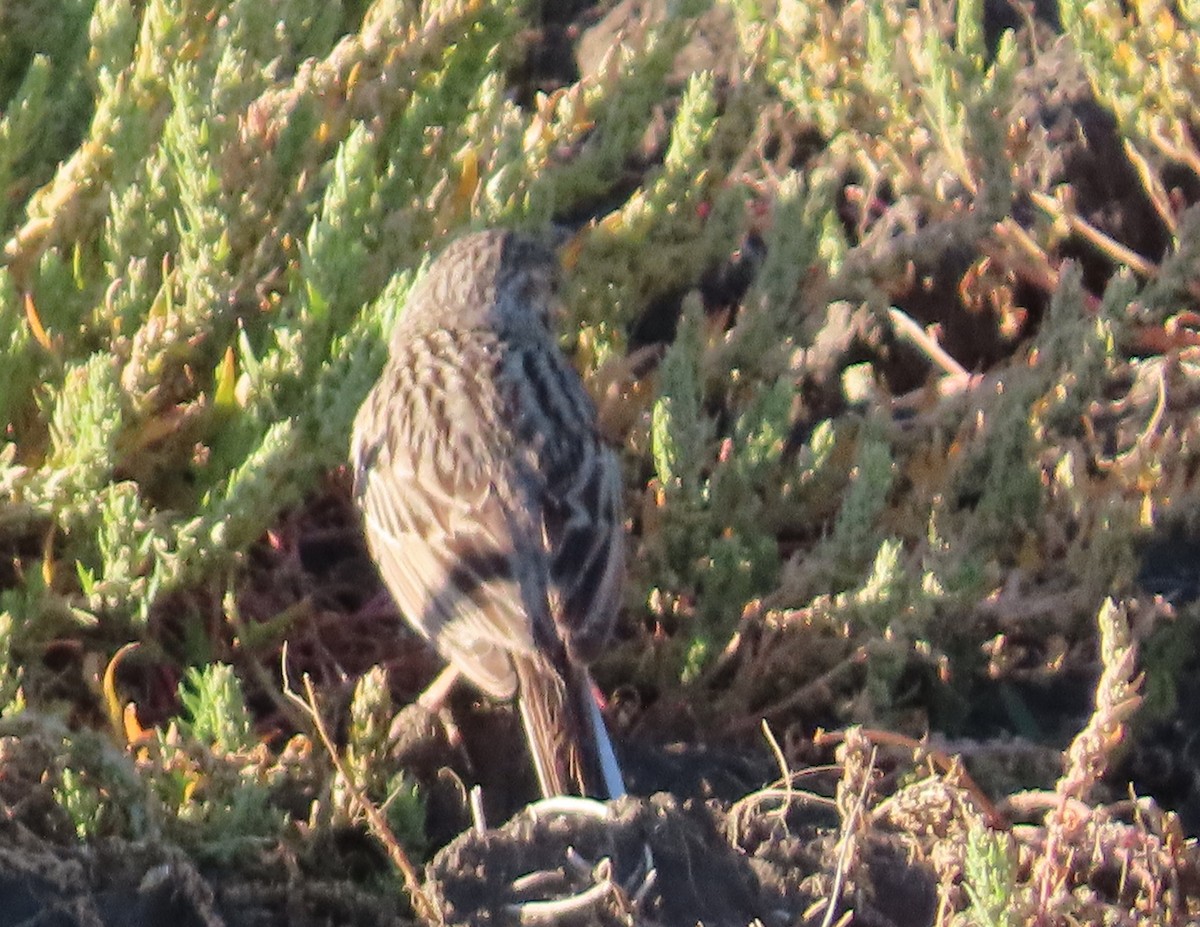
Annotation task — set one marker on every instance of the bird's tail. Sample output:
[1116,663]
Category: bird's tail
[571,749]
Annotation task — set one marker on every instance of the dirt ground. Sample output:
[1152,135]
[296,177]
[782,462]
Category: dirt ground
[719,830]
[657,859]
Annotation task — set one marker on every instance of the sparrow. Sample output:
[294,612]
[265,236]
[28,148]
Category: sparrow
[491,504]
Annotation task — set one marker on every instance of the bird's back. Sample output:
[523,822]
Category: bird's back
[491,505]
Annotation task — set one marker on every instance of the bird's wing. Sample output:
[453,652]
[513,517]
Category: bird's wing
[588,537]
[432,476]
[577,481]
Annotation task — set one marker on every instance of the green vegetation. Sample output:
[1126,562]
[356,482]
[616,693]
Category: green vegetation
[990,880]
[908,456]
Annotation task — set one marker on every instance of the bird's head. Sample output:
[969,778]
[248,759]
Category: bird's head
[500,280]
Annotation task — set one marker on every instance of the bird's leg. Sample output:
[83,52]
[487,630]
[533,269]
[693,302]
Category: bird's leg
[433,699]
[432,705]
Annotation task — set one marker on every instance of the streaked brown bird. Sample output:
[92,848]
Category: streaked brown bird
[492,506]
